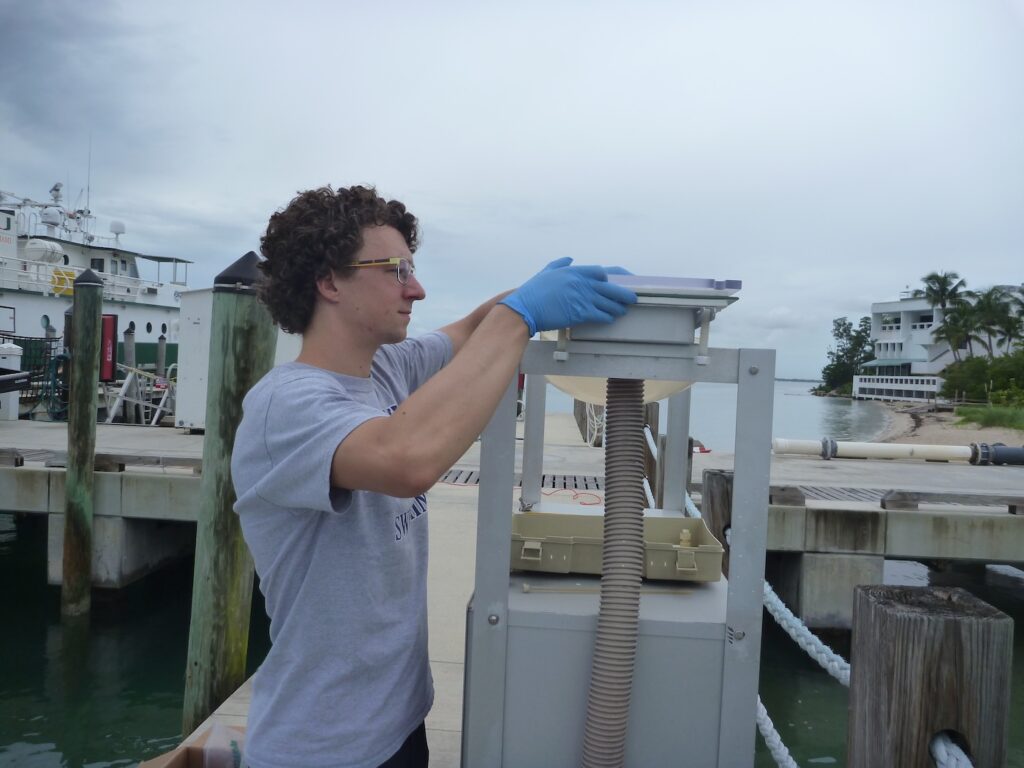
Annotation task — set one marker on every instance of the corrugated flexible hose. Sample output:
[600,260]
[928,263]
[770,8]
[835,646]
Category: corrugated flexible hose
[622,566]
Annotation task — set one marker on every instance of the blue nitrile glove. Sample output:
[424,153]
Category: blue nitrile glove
[560,296]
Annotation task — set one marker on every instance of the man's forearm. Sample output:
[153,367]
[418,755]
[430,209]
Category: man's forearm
[405,453]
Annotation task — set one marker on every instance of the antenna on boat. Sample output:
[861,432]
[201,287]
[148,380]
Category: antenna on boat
[88,178]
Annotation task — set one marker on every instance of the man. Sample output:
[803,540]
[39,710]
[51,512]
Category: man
[333,459]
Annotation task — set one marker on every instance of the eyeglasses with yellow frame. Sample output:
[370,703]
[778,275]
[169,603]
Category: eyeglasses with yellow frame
[404,269]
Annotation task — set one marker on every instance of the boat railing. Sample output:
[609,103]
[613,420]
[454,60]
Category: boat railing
[59,279]
[142,396]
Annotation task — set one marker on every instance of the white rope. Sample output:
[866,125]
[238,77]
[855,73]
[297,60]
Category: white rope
[650,495]
[947,754]
[944,751]
[764,723]
[691,508]
[650,442]
[829,660]
[772,739]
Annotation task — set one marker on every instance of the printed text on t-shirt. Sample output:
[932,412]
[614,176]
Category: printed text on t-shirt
[419,506]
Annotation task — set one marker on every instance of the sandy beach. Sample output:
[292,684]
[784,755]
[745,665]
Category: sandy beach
[912,424]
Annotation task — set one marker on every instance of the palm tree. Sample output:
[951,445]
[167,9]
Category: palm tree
[952,335]
[992,310]
[959,327]
[1016,298]
[941,289]
[948,290]
[1011,328]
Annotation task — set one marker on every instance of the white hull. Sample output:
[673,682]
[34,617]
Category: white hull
[44,248]
[27,314]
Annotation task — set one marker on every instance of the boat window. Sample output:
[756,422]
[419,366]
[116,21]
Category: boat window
[131,326]
[124,266]
[96,264]
[113,266]
[163,327]
[45,321]
[66,260]
[149,327]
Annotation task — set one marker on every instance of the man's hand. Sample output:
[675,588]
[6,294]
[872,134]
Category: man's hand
[560,296]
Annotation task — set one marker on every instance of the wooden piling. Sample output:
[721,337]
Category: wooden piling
[242,342]
[926,660]
[78,505]
[716,507]
[161,356]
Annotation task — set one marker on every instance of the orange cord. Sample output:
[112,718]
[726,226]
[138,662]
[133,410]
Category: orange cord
[576,495]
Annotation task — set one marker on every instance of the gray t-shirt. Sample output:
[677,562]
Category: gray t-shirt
[344,573]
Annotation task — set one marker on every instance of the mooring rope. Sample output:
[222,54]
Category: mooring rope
[773,739]
[828,659]
[944,751]
[947,754]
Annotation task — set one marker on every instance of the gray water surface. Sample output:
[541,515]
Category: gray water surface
[796,414]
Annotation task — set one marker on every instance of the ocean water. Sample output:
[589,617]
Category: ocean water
[112,696]
[809,708]
[108,696]
[796,414]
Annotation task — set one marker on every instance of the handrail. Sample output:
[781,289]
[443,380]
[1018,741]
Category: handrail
[58,279]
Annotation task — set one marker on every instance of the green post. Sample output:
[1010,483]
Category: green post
[242,343]
[85,376]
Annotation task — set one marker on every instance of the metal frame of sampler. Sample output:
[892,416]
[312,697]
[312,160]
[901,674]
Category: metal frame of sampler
[660,356]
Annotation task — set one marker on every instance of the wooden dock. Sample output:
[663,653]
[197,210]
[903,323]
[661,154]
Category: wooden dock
[841,518]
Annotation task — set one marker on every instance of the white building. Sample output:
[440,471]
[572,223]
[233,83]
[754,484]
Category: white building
[907,356]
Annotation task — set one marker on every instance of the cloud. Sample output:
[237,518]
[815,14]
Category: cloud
[826,154]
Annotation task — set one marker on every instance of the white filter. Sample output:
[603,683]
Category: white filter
[592,390]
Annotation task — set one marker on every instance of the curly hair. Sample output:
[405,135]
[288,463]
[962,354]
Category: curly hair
[320,231]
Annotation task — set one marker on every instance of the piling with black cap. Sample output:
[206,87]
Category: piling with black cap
[242,344]
[78,504]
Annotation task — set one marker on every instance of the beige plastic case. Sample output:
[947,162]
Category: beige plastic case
[676,548]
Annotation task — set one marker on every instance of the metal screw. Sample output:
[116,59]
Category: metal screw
[492,619]
[739,634]
[754,370]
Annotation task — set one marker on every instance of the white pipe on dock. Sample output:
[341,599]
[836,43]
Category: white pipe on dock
[839,449]
[845,450]
[802,447]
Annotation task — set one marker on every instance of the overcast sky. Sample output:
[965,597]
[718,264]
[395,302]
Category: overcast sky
[827,154]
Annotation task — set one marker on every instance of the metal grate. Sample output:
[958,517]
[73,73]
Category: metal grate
[829,493]
[870,495]
[557,482]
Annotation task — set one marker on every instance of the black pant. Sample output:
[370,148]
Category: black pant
[413,752]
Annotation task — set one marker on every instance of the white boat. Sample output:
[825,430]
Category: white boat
[44,247]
